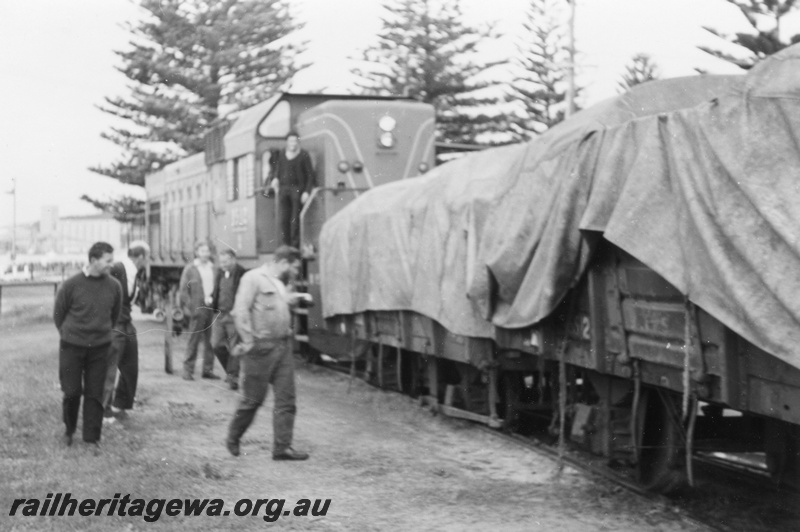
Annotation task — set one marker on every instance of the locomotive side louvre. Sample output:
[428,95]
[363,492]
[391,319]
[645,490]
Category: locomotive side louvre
[178,211]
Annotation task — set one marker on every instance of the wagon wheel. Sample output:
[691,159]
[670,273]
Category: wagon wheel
[512,390]
[309,354]
[661,463]
[782,446]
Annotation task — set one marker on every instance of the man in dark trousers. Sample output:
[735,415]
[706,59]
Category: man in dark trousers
[223,332]
[196,287]
[124,351]
[87,306]
[294,180]
[263,322]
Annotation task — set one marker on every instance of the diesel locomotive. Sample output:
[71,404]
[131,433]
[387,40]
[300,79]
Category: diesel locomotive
[222,194]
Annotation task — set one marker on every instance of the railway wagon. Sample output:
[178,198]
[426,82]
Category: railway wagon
[633,269]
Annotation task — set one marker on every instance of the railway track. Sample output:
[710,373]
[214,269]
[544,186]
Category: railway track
[588,466]
[727,496]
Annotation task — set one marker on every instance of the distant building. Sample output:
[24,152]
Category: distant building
[69,234]
[76,234]
[48,230]
[26,237]
[48,223]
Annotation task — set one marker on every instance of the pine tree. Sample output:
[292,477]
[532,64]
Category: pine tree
[642,68]
[764,16]
[425,51]
[542,69]
[123,209]
[187,60]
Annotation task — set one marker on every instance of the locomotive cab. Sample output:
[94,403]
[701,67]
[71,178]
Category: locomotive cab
[222,196]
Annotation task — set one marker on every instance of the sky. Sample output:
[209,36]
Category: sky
[58,65]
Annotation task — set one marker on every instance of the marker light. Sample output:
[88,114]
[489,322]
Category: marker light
[358,167]
[387,123]
[423,167]
[343,166]
[386,140]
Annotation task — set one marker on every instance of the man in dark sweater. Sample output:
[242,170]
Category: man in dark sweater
[294,180]
[124,351]
[87,307]
[223,331]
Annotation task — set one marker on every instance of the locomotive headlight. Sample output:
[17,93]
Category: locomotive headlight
[343,166]
[387,123]
[423,167]
[386,140]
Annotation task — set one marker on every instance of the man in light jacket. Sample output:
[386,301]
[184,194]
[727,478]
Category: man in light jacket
[264,323]
[196,288]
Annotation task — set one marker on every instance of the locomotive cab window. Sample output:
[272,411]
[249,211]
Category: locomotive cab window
[232,178]
[278,122]
[240,178]
[155,212]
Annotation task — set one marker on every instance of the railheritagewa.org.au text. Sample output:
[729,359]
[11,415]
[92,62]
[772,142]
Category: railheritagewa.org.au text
[151,510]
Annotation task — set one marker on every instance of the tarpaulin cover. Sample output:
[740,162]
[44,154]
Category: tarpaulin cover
[698,178]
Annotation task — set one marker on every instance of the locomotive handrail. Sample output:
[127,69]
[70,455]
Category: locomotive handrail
[311,197]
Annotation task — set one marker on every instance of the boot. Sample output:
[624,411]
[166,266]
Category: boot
[239,424]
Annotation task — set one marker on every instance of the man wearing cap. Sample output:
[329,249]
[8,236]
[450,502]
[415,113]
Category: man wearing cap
[123,355]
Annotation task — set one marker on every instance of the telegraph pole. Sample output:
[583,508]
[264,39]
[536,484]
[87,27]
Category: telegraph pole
[13,193]
[571,69]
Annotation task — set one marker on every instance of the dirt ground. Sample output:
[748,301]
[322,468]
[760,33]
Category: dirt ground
[384,462]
